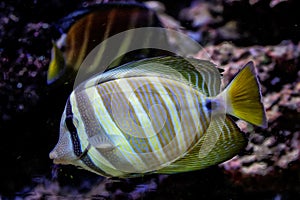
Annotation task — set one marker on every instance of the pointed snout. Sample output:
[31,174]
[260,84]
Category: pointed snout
[53,155]
[62,155]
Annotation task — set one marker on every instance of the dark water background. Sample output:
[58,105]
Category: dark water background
[30,110]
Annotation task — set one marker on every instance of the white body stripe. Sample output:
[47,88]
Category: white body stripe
[84,138]
[172,110]
[143,117]
[110,127]
[194,123]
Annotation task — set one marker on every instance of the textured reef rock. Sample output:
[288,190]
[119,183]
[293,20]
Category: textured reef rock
[245,22]
[272,153]
[232,33]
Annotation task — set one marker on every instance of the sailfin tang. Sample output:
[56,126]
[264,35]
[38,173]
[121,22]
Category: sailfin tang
[244,97]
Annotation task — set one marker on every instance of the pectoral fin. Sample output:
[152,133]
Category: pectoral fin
[101,142]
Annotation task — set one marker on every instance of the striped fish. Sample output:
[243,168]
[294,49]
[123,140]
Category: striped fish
[157,115]
[84,29]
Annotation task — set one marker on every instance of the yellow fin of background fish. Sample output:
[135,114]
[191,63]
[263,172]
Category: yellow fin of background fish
[230,140]
[57,65]
[244,97]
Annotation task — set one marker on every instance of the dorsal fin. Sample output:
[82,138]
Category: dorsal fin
[200,74]
[65,23]
[230,141]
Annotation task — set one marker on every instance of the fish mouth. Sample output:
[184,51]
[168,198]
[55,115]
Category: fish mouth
[64,159]
[60,161]
[55,161]
[53,156]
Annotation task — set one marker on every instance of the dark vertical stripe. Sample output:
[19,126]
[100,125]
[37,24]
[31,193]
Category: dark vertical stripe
[85,158]
[72,130]
[93,126]
[140,145]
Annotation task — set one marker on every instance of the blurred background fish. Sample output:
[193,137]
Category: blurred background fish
[143,118]
[81,31]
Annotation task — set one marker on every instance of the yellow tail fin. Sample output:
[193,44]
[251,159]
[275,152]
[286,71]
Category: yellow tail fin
[244,97]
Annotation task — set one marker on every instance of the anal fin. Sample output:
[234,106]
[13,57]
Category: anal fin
[223,140]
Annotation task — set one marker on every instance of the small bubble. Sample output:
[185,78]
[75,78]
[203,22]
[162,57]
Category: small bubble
[14,18]
[21,107]
[85,4]
[275,81]
[33,74]
[36,34]
[19,85]
[41,58]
